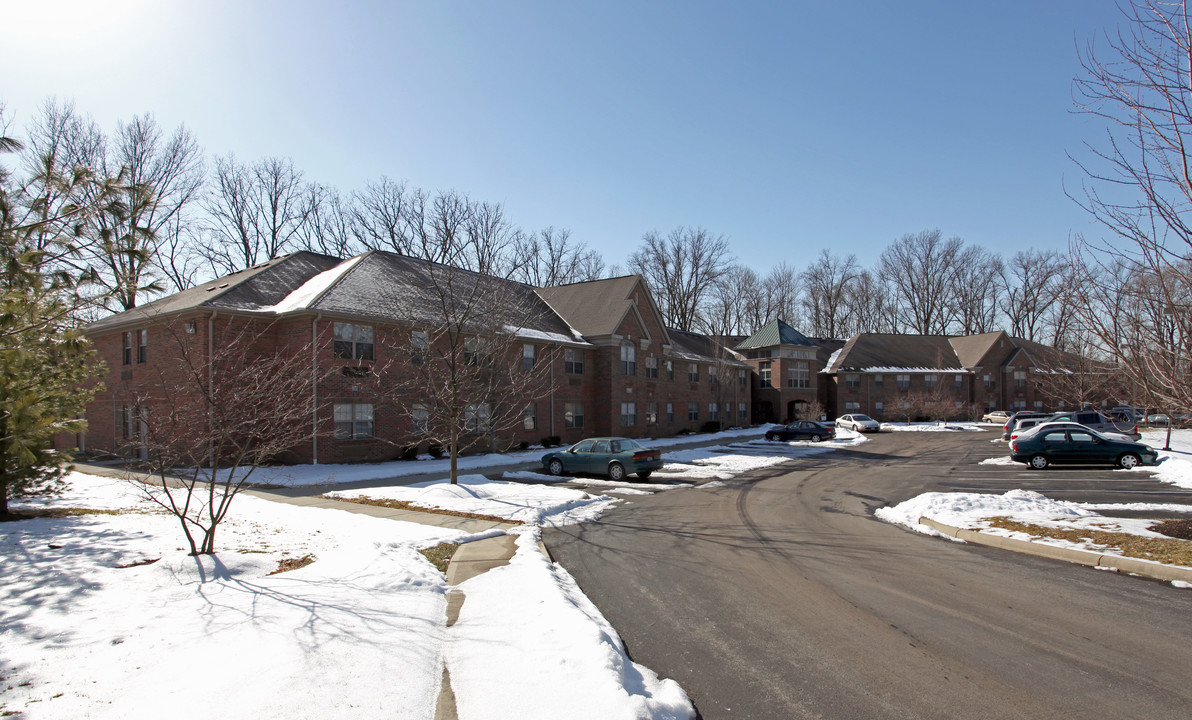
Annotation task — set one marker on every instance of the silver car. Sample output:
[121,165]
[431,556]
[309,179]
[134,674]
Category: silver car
[858,422]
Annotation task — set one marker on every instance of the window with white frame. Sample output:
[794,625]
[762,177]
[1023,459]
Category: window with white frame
[353,342]
[742,377]
[713,376]
[959,381]
[530,417]
[877,408]
[1020,378]
[529,355]
[652,413]
[1038,405]
[902,381]
[930,380]
[420,417]
[692,412]
[742,411]
[628,359]
[475,351]
[573,415]
[628,414]
[988,382]
[763,374]
[852,407]
[713,411]
[353,421]
[878,381]
[573,361]
[798,375]
[651,367]
[692,372]
[670,369]
[143,346]
[670,412]
[477,417]
[420,345]
[126,356]
[852,380]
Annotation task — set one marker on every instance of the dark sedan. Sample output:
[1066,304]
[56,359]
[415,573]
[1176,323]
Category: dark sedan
[802,430]
[612,456]
[1082,447]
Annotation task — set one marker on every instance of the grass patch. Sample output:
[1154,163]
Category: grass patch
[56,512]
[1181,529]
[407,505]
[1171,551]
[287,564]
[440,555]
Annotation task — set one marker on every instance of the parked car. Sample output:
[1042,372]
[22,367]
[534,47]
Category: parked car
[612,456]
[1099,422]
[1008,428]
[1124,437]
[997,416]
[1024,424]
[802,430]
[858,422]
[1158,420]
[1068,445]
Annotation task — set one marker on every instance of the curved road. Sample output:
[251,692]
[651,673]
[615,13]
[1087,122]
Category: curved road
[781,596]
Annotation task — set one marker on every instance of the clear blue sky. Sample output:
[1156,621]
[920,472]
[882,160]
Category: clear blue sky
[788,127]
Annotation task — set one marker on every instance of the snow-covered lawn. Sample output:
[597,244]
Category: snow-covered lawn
[974,510]
[937,427]
[105,616]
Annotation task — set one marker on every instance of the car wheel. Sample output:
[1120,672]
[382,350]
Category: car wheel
[1129,461]
[816,438]
[555,467]
[1038,462]
[616,472]
[644,474]
[770,437]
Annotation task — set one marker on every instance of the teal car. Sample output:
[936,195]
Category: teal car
[1079,446]
[612,456]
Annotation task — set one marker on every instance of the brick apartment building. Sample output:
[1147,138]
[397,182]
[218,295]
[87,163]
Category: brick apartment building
[613,366]
[786,366]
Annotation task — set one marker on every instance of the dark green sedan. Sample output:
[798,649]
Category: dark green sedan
[1079,446]
[612,456]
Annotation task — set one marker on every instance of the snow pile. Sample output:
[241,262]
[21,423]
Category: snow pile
[934,427]
[561,659]
[1175,465]
[517,502]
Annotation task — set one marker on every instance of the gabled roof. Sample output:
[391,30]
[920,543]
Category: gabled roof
[776,332]
[376,285]
[880,352]
[971,348]
[260,286]
[598,307]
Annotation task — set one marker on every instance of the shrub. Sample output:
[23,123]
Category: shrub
[551,441]
[711,426]
[435,450]
[523,445]
[409,452]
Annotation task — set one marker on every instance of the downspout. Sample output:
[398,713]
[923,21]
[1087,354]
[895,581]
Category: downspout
[211,391]
[552,397]
[314,388]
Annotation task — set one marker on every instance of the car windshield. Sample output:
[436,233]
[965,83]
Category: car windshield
[626,444]
[862,418]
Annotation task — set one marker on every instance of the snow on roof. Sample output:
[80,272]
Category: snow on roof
[830,366]
[546,336]
[928,370]
[310,291]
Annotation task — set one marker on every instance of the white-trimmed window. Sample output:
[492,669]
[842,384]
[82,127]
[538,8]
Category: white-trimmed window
[420,345]
[142,345]
[713,411]
[877,408]
[713,376]
[878,381]
[1020,378]
[930,380]
[852,407]
[763,374]
[670,412]
[420,417]
[852,381]
[353,342]
[652,367]
[692,412]
[573,361]
[573,415]
[628,414]
[353,421]
[475,351]
[798,375]
[126,354]
[902,381]
[477,417]
[742,411]
[670,369]
[628,359]
[529,355]
[742,377]
[959,381]
[530,417]
[693,372]
[652,413]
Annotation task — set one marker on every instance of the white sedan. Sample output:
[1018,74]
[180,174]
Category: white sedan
[860,423]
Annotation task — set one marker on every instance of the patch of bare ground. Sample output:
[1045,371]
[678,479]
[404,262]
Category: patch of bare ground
[287,564]
[57,512]
[407,505]
[440,555]
[1171,551]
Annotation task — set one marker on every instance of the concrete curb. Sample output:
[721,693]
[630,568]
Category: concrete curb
[1134,566]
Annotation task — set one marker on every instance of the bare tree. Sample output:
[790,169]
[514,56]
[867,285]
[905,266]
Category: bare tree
[828,294]
[216,412]
[334,226]
[382,216]
[872,307]
[1139,189]
[1031,282]
[549,257]
[780,288]
[732,308]
[976,291]
[681,270]
[920,269]
[255,212]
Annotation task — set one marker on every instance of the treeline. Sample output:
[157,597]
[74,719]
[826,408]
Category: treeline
[183,218]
